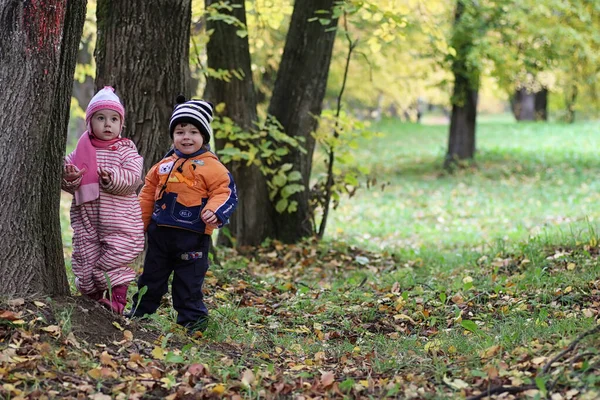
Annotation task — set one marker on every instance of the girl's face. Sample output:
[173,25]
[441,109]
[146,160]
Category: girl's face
[187,138]
[106,124]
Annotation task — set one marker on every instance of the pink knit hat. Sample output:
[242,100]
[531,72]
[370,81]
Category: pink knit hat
[104,99]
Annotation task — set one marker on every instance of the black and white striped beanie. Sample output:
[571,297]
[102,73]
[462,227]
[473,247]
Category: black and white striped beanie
[196,112]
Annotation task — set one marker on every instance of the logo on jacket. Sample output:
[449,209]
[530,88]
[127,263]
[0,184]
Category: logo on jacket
[165,168]
[185,213]
[198,162]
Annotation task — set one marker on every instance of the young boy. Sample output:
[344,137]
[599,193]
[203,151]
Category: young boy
[186,196]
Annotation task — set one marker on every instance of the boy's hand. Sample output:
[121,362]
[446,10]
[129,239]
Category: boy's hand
[209,218]
[71,172]
[104,175]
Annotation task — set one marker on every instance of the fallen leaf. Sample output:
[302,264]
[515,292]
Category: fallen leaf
[327,378]
[248,378]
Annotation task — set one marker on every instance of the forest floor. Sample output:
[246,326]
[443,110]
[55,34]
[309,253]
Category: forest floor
[482,282]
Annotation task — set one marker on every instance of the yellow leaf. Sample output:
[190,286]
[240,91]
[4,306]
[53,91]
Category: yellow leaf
[95,373]
[457,384]
[52,329]
[116,325]
[219,389]
[298,367]
[365,383]
[158,353]
[39,304]
[571,266]
[490,352]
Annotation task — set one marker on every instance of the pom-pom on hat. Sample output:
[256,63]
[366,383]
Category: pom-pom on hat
[196,112]
[105,99]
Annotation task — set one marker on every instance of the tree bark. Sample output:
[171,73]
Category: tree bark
[143,51]
[253,220]
[297,100]
[541,105]
[83,91]
[461,140]
[530,106]
[38,48]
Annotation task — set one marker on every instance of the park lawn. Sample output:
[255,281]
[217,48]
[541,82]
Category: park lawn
[439,286]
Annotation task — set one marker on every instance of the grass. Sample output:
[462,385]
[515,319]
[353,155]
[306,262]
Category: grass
[472,275]
[528,178]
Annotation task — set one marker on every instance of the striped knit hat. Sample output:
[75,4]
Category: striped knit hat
[196,112]
[104,99]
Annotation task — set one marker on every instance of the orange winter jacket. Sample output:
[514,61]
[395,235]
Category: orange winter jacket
[178,189]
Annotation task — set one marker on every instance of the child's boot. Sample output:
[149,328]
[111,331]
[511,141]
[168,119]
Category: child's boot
[118,299]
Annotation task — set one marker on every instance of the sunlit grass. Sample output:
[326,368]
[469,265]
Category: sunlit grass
[527,178]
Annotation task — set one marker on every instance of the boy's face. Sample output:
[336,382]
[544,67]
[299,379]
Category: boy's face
[106,124]
[187,138]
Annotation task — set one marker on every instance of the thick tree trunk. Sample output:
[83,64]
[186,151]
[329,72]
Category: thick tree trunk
[297,100]
[461,140]
[530,106]
[38,47]
[142,50]
[253,220]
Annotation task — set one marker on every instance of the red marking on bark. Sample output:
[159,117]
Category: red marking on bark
[43,22]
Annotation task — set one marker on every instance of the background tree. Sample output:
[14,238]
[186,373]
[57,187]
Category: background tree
[143,50]
[297,99]
[461,141]
[228,50]
[38,47]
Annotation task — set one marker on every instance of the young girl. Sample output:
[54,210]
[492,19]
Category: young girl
[103,174]
[186,196]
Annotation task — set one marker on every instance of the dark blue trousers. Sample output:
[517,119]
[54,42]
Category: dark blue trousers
[185,254]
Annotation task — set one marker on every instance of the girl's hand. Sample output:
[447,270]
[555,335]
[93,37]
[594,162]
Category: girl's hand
[104,175]
[71,172]
[209,218]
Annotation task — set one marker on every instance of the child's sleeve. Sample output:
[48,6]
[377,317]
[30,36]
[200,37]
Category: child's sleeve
[222,197]
[70,186]
[126,179]
[146,196]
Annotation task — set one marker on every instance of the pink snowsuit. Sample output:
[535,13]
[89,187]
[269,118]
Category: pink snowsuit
[108,232]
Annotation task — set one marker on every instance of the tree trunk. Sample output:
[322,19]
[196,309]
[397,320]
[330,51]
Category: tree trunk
[541,105]
[253,220]
[523,105]
[297,100]
[38,48]
[83,91]
[461,141]
[143,51]
[530,106]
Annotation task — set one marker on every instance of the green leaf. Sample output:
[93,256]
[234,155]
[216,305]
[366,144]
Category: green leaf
[469,325]
[347,385]
[174,358]
[294,176]
[279,180]
[443,297]
[281,205]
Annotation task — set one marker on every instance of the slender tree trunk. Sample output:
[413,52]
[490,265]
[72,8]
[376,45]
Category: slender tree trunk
[461,141]
[541,105]
[143,51]
[38,47]
[571,99]
[253,220]
[83,91]
[297,100]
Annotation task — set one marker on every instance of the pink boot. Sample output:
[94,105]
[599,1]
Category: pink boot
[118,299]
